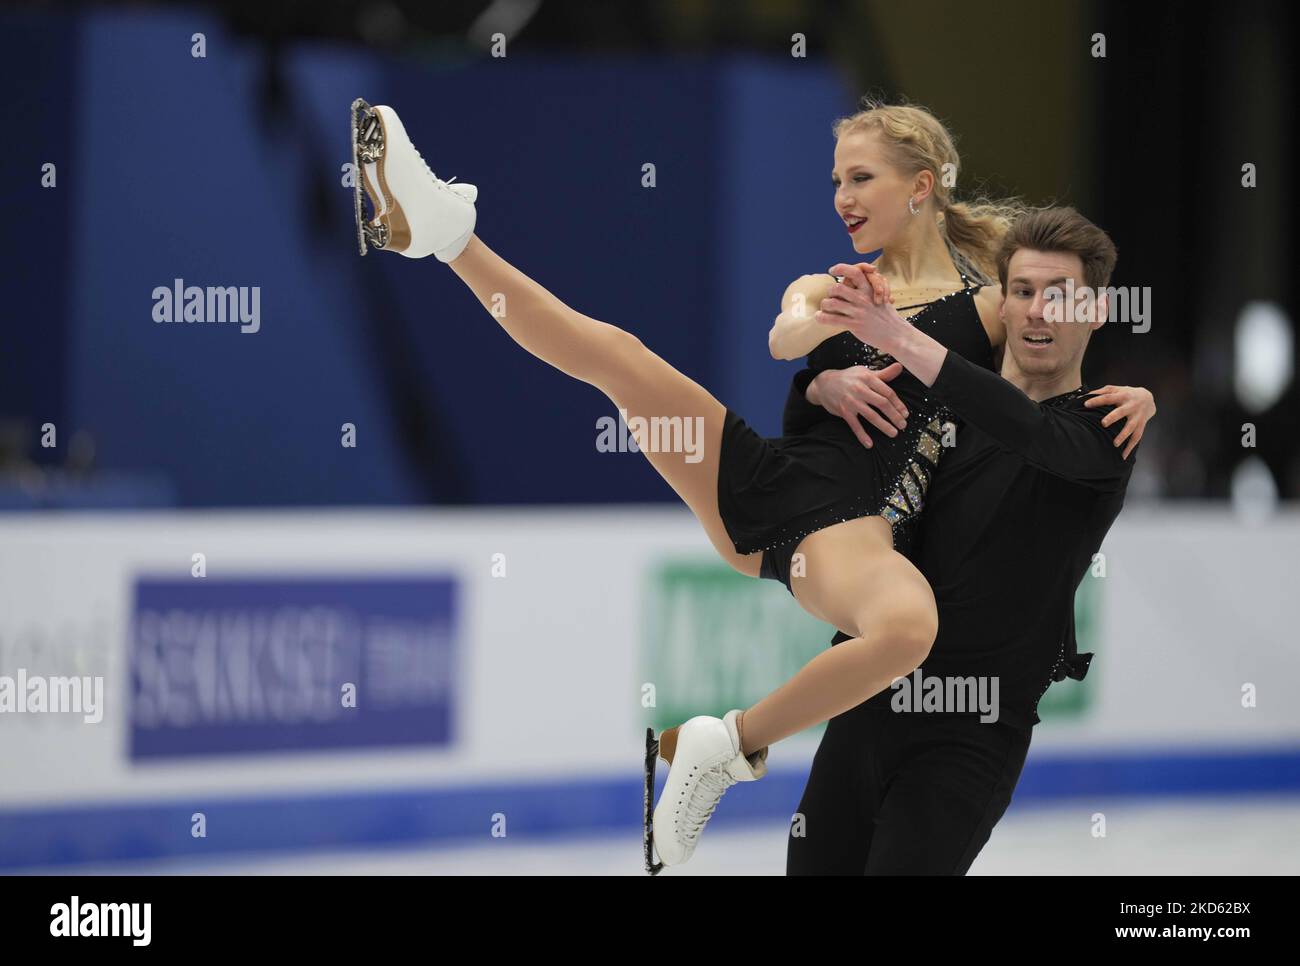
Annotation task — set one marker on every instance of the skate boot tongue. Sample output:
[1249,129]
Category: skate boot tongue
[467,191]
[744,768]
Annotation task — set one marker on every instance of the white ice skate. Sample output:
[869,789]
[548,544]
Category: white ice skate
[706,763]
[414,212]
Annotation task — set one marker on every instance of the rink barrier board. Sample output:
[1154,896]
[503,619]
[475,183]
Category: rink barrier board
[464,816]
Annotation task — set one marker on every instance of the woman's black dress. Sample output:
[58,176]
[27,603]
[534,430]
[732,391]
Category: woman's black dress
[774,492]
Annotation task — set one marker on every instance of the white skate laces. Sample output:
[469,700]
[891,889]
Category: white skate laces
[708,791]
[414,212]
[444,185]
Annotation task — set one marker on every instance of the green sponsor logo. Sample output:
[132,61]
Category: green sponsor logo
[717,640]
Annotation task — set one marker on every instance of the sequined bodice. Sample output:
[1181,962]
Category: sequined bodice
[951,320]
[911,457]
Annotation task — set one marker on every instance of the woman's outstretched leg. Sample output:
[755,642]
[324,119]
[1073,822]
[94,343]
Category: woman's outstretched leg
[676,422]
[853,578]
[416,214]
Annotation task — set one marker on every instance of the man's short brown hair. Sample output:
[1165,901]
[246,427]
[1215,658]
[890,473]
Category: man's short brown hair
[1060,229]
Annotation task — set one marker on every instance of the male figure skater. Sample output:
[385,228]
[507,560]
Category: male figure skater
[1013,518]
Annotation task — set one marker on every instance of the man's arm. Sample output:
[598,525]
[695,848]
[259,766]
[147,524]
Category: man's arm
[1068,443]
[799,413]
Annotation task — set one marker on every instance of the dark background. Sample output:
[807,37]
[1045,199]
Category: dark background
[225,170]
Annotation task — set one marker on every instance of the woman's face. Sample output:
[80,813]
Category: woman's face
[867,186]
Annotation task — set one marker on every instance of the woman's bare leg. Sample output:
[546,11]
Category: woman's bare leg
[634,378]
[856,581]
[853,577]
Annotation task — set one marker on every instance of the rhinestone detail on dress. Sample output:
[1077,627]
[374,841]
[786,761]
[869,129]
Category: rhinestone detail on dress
[906,492]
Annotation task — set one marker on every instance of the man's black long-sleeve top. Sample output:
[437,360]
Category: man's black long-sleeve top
[1013,517]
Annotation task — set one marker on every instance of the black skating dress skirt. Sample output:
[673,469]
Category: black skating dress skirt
[774,492]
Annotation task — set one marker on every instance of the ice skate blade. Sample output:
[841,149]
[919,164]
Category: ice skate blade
[359,110]
[651,758]
[387,229]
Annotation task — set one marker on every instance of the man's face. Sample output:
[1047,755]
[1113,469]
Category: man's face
[1047,326]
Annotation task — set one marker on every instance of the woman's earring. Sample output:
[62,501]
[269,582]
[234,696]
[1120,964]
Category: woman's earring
[911,206]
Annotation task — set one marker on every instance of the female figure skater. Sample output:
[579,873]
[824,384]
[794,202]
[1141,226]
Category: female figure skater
[836,511]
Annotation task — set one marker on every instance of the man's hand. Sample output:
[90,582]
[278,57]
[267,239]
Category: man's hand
[1132,403]
[860,303]
[859,391]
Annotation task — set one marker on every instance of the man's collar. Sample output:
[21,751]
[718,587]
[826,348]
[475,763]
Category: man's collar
[1082,390]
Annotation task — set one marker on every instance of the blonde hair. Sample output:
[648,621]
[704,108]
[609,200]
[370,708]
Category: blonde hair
[914,141]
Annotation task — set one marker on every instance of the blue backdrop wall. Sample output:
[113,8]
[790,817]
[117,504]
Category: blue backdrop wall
[227,170]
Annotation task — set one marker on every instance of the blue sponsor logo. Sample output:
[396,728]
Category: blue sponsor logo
[270,664]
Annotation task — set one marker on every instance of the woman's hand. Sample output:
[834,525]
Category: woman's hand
[861,304]
[859,391]
[1132,403]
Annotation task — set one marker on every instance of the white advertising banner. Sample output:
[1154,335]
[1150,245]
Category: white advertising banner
[294,652]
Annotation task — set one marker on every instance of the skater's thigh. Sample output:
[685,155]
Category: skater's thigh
[830,834]
[852,578]
[942,802]
[677,425]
